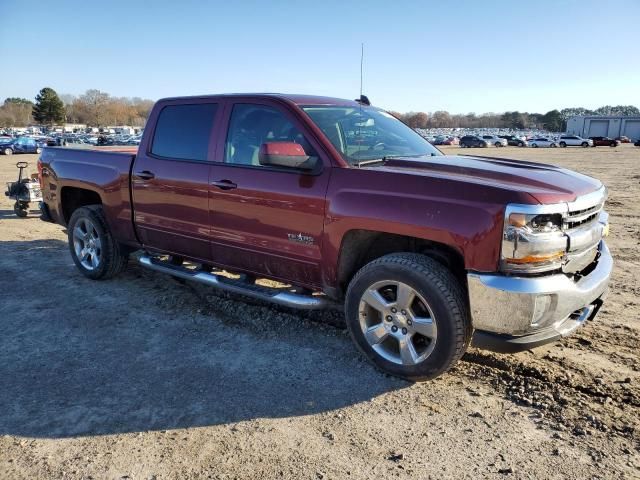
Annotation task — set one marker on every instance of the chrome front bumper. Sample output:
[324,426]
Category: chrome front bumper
[544,306]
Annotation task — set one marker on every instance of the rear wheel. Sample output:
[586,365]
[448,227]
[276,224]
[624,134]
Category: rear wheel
[38,150]
[563,144]
[553,145]
[408,314]
[21,209]
[8,151]
[93,249]
[534,145]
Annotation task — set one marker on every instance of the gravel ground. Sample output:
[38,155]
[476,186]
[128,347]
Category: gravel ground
[145,377]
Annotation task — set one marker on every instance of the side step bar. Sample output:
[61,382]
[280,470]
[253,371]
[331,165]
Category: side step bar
[287,299]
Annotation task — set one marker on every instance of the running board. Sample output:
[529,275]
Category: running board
[287,299]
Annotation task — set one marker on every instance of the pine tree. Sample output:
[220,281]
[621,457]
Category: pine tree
[48,109]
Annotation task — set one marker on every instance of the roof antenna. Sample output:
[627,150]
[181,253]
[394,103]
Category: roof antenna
[363,100]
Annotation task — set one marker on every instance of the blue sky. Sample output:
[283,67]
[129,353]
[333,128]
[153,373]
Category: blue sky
[460,56]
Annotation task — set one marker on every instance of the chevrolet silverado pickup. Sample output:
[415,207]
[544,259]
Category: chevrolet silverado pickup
[342,204]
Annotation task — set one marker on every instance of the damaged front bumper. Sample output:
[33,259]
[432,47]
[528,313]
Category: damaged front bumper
[512,314]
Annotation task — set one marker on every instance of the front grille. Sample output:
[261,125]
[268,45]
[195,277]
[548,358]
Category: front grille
[585,216]
[585,210]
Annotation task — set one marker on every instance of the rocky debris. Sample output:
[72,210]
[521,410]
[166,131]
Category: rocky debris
[395,456]
[328,435]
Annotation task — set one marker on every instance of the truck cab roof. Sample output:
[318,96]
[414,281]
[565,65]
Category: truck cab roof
[297,99]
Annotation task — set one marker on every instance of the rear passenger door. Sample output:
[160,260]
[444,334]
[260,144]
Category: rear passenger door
[264,219]
[20,145]
[170,178]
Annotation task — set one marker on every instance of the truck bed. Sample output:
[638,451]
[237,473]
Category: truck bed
[103,171]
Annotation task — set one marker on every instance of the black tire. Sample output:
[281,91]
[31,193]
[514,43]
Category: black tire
[20,210]
[445,297]
[521,144]
[563,144]
[8,151]
[584,144]
[612,144]
[534,145]
[112,258]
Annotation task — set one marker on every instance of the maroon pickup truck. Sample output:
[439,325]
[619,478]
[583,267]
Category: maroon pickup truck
[345,205]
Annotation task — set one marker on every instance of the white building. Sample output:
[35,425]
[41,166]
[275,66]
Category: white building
[592,126]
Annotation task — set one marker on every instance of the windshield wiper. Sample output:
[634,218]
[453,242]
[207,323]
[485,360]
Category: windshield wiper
[371,162]
[391,157]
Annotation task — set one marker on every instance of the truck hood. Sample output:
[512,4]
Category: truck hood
[546,183]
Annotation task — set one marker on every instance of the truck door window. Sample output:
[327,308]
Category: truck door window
[253,125]
[183,131]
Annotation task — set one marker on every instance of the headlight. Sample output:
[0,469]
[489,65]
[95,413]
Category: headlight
[533,241]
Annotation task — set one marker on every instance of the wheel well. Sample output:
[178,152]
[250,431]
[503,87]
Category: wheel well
[360,247]
[73,198]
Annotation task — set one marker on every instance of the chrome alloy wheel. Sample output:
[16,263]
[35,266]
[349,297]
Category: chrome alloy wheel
[86,244]
[397,322]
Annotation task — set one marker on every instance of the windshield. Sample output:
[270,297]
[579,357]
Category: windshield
[368,133]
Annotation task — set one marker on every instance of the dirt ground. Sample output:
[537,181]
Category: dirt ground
[143,377]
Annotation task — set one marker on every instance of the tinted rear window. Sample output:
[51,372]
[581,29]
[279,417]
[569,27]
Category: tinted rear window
[183,131]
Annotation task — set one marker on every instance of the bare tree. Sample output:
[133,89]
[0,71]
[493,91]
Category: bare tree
[418,120]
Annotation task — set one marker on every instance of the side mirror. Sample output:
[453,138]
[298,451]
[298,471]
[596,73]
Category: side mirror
[285,154]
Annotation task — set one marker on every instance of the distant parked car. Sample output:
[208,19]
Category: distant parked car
[604,142]
[542,142]
[495,140]
[623,139]
[574,141]
[514,141]
[469,141]
[20,145]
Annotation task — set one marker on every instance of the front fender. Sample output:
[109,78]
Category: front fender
[465,217]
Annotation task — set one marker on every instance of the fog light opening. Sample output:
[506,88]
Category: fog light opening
[541,307]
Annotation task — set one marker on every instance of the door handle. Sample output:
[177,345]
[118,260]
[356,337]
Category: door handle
[224,184]
[145,175]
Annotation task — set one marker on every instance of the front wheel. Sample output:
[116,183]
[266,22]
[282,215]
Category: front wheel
[38,150]
[553,145]
[408,314]
[8,151]
[534,145]
[585,144]
[93,249]
[563,144]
